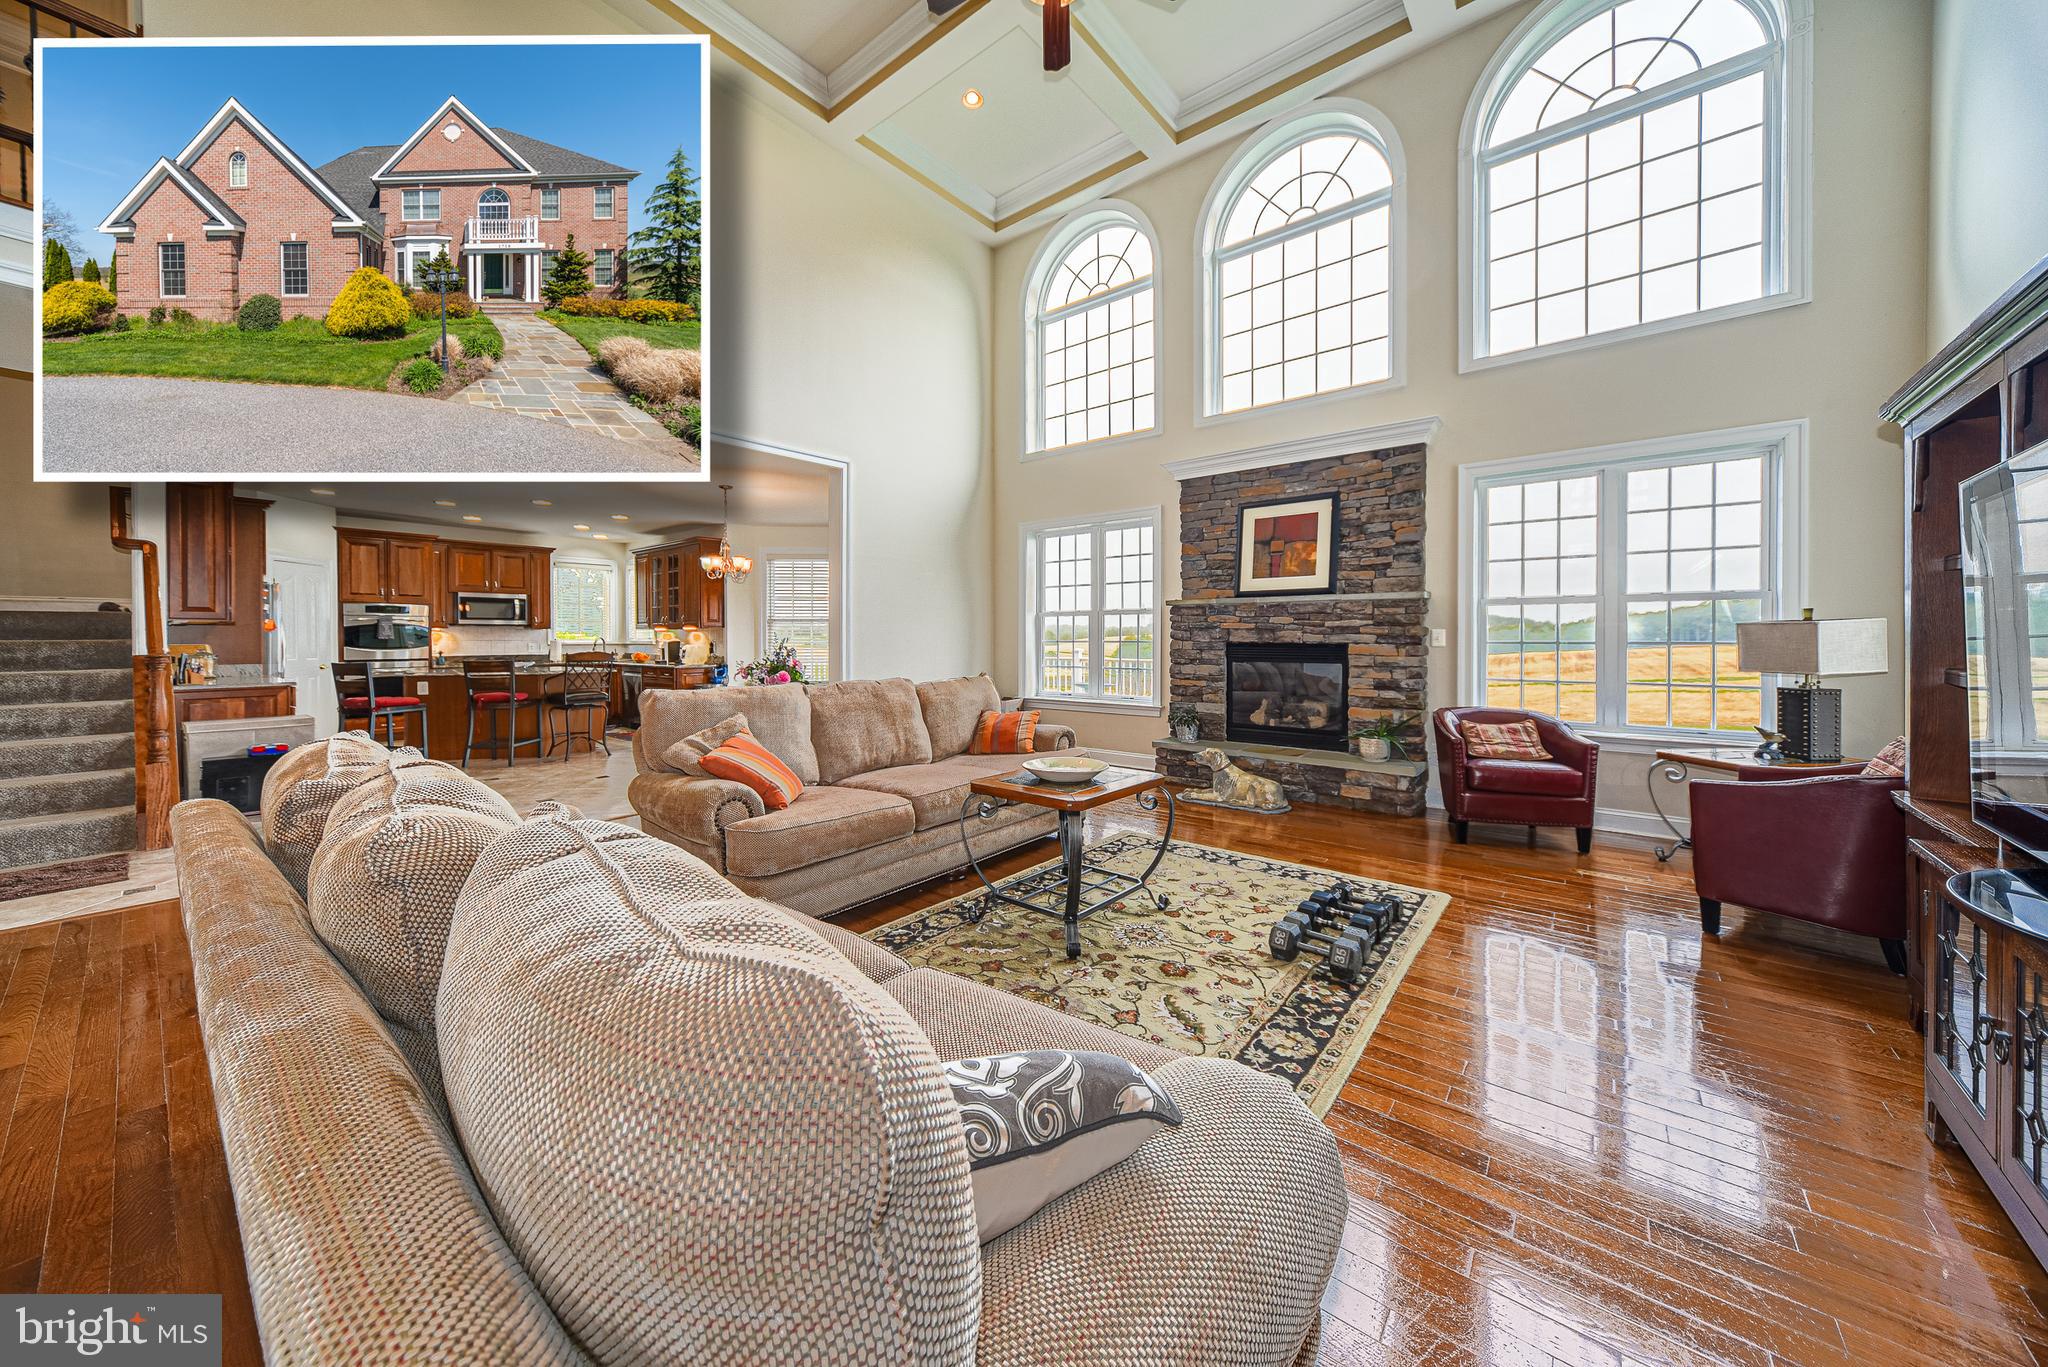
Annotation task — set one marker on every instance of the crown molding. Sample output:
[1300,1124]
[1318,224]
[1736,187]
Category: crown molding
[736,28]
[877,54]
[1347,31]
[1059,181]
[1382,437]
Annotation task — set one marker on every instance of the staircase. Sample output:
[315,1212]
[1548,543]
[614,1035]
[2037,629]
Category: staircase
[509,308]
[67,738]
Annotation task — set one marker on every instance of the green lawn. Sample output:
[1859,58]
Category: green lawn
[300,352]
[591,331]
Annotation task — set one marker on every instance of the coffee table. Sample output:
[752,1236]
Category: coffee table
[1074,888]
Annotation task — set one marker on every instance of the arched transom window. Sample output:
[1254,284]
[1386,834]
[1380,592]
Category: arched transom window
[1092,332]
[1629,170]
[1298,265]
[238,171]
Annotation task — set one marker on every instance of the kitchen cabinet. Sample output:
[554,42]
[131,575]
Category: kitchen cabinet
[540,597]
[234,702]
[467,568]
[444,601]
[199,564]
[472,568]
[670,588]
[380,568]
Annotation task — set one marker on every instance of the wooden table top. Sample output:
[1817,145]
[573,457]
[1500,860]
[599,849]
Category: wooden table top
[1730,758]
[1108,786]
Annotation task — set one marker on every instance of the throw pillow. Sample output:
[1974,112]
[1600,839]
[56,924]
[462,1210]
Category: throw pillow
[688,753]
[1041,1123]
[1005,733]
[745,760]
[1502,740]
[1889,762]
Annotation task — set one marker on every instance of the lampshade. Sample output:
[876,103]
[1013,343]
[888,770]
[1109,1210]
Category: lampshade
[1838,645]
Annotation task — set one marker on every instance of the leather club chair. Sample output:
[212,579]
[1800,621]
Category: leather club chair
[1516,792]
[1821,845]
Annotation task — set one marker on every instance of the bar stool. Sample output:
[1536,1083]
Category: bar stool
[493,687]
[586,688]
[355,689]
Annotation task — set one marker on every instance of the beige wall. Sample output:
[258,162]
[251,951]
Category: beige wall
[1831,361]
[53,537]
[1990,143]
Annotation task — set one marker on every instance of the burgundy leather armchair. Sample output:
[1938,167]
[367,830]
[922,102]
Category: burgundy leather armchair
[1516,792]
[1825,845]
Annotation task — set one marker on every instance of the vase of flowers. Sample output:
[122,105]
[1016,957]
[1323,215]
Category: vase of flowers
[778,666]
[1380,739]
[1185,721]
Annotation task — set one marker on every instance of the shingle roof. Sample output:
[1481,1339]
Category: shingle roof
[550,160]
[349,175]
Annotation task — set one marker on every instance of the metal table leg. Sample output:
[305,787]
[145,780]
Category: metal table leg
[1671,771]
[1073,827]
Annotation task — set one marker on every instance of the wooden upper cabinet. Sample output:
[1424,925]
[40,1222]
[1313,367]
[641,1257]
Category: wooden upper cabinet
[540,594]
[437,574]
[468,568]
[362,568]
[671,589]
[377,568]
[199,574]
[512,571]
[409,564]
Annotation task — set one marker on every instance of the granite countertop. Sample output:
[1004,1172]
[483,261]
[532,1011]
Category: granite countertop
[268,681]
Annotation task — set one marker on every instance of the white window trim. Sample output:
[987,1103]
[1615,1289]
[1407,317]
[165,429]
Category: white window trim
[184,269]
[238,160]
[766,557]
[545,191]
[305,293]
[1058,242]
[1788,175]
[422,216]
[1784,445]
[621,589]
[1028,534]
[611,199]
[610,270]
[1330,115]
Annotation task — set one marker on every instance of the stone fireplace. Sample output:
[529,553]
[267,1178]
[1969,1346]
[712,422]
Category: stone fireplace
[1280,681]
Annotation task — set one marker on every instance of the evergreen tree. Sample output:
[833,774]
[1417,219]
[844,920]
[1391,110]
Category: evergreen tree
[91,271]
[56,264]
[668,251]
[569,277]
[113,267]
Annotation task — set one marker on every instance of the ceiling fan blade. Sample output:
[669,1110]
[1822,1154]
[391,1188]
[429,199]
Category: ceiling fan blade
[1059,35]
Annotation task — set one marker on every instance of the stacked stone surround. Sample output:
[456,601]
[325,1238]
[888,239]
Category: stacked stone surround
[1377,612]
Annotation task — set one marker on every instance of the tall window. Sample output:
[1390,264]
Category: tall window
[1630,170]
[1092,342]
[292,269]
[1092,591]
[1299,267]
[238,171]
[421,206]
[584,595]
[797,607]
[601,202]
[170,269]
[601,267]
[550,202]
[1609,592]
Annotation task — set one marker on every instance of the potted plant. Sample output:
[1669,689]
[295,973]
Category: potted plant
[1185,721]
[1380,739]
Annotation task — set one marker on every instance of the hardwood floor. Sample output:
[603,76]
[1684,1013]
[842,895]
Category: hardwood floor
[1579,1135]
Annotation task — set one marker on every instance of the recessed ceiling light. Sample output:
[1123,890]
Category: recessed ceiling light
[444,503]
[972,98]
[600,536]
[543,503]
[472,517]
[324,493]
[582,526]
[622,517]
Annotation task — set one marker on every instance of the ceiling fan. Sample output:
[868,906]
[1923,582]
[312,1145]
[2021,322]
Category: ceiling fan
[1059,28]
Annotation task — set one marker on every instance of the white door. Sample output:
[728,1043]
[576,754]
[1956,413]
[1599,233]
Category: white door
[307,630]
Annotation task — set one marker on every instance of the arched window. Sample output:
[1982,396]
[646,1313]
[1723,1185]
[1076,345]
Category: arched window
[494,204]
[1628,172]
[238,171]
[1089,369]
[1298,247]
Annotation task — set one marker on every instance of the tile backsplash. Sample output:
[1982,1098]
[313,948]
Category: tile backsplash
[528,642]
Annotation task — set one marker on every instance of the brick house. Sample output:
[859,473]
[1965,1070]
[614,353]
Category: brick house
[238,213]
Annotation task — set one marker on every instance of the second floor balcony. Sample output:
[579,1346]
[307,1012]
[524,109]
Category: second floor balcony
[510,231]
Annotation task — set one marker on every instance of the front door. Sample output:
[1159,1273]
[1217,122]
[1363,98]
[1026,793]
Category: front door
[494,274]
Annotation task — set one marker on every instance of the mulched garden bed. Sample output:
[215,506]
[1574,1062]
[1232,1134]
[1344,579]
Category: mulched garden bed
[467,371]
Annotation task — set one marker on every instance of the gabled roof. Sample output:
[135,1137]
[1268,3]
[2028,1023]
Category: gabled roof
[223,221]
[349,174]
[344,215]
[505,149]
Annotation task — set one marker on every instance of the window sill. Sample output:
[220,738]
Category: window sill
[1082,447]
[1371,389]
[1649,742]
[1142,709]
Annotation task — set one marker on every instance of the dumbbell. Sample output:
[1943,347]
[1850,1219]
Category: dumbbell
[1356,902]
[1344,952]
[1371,917]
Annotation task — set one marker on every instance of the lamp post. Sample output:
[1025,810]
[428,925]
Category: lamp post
[440,278]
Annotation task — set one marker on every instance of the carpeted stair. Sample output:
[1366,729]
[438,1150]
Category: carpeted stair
[67,747]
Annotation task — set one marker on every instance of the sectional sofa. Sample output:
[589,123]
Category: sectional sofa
[550,1090]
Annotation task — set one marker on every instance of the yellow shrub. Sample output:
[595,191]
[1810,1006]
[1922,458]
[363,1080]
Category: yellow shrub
[76,306]
[369,305]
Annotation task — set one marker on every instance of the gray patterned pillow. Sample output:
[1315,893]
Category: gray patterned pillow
[1041,1123]
[686,753]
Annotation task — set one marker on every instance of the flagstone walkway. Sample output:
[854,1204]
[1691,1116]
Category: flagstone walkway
[546,373]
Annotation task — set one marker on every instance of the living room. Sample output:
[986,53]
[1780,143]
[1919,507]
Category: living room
[1548,876]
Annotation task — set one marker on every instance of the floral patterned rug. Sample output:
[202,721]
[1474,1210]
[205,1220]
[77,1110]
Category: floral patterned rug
[1196,977]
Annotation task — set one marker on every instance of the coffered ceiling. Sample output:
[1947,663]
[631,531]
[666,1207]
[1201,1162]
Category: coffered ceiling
[1152,82]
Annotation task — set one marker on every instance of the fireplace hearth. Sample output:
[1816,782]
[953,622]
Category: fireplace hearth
[1288,695]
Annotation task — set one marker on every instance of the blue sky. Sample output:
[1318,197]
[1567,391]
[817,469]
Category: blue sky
[111,109]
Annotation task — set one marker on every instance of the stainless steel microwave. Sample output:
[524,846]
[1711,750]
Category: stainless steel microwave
[491,609]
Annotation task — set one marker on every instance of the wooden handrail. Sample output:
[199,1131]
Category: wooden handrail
[156,754]
[152,579]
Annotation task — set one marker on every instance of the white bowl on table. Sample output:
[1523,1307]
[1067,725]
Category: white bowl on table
[1064,768]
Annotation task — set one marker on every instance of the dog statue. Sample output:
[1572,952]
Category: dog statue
[1230,786]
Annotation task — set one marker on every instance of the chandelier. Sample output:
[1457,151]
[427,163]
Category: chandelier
[726,565]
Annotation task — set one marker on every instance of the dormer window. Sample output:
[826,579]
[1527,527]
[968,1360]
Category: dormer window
[238,171]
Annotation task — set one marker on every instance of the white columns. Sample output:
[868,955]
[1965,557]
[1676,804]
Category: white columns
[470,259]
[532,260]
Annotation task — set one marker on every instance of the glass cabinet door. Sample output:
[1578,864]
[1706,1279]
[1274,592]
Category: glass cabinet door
[2026,1156]
[1961,1030]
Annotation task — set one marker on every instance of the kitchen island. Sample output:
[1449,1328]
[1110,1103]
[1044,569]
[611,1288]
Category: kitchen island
[442,689]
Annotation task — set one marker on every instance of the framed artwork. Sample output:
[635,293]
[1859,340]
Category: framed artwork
[1287,546]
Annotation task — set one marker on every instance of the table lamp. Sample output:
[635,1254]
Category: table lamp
[1809,715]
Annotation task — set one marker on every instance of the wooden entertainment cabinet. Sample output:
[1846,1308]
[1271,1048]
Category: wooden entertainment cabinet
[1980,984]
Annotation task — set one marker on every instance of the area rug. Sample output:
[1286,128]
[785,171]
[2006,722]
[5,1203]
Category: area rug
[1196,977]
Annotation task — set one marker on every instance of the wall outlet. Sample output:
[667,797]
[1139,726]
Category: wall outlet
[1439,637]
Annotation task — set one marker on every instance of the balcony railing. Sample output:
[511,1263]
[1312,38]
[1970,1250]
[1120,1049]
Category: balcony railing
[503,230]
[21,23]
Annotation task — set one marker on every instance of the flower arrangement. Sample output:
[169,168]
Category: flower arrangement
[778,666]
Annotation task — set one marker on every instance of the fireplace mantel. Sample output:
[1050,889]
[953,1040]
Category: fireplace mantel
[1385,437]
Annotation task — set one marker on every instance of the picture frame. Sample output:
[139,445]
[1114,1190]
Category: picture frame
[1287,546]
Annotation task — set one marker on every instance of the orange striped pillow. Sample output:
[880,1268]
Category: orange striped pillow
[1005,733]
[745,760]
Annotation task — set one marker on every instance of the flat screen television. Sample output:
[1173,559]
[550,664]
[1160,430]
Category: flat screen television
[2005,627]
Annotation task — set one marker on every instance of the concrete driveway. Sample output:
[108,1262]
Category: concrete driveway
[142,425]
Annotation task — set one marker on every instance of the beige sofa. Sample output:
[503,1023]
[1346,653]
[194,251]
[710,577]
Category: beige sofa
[885,770]
[553,1091]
